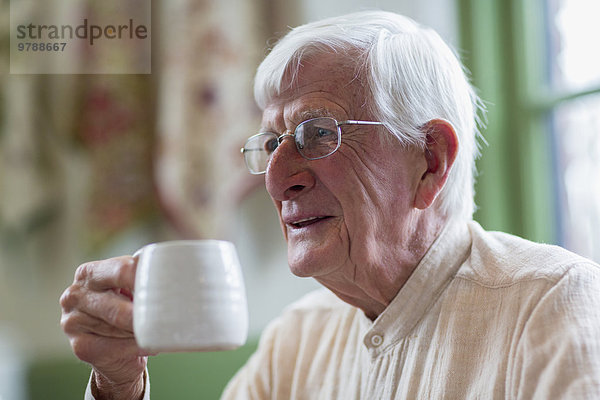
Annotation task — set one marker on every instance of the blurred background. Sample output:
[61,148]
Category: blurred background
[96,166]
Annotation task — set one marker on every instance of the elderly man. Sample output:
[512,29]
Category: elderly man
[368,142]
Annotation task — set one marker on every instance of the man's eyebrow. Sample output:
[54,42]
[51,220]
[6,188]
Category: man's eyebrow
[314,113]
[306,115]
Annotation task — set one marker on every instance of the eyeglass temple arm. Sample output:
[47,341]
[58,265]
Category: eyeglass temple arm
[347,122]
[354,122]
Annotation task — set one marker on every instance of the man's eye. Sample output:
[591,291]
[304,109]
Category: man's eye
[271,145]
[321,132]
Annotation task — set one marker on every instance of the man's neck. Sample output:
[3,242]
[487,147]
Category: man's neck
[373,287]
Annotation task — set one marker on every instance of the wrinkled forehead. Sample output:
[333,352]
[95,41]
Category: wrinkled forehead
[318,82]
[330,72]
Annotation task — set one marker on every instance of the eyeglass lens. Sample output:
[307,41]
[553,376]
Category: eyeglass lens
[315,138]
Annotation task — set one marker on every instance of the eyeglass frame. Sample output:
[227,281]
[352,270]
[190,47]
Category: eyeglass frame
[280,138]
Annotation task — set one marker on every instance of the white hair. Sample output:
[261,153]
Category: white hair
[412,75]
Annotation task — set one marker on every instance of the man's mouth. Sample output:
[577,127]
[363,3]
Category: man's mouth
[306,222]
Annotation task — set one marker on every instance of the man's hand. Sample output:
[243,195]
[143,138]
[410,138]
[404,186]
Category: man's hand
[97,316]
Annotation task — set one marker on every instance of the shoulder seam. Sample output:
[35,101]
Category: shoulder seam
[553,280]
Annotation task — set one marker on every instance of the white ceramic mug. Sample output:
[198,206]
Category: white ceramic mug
[189,296]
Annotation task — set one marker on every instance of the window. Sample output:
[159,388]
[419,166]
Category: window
[536,63]
[574,69]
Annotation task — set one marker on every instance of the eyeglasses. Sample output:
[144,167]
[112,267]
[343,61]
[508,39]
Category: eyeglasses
[315,138]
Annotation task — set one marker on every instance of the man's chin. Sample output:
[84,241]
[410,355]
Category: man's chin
[312,258]
[301,271]
[309,266]
[305,266]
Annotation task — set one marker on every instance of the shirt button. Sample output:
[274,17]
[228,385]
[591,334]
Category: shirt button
[376,340]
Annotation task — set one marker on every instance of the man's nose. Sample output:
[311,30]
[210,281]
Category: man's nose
[287,174]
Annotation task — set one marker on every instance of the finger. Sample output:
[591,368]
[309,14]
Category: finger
[125,292]
[112,308]
[113,273]
[78,322]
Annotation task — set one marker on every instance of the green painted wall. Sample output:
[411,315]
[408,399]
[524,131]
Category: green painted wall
[501,47]
[172,376]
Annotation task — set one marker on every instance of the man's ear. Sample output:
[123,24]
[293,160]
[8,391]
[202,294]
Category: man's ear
[439,153]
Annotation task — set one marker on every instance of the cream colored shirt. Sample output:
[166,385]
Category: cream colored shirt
[483,316]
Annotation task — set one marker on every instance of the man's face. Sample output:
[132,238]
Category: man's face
[348,213]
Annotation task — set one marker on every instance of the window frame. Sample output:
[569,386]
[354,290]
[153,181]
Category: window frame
[504,47]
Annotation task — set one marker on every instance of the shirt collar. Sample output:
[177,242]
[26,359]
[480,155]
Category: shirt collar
[429,279]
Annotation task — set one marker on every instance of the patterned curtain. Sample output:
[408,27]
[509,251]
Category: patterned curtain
[206,110]
[140,146]
[85,159]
